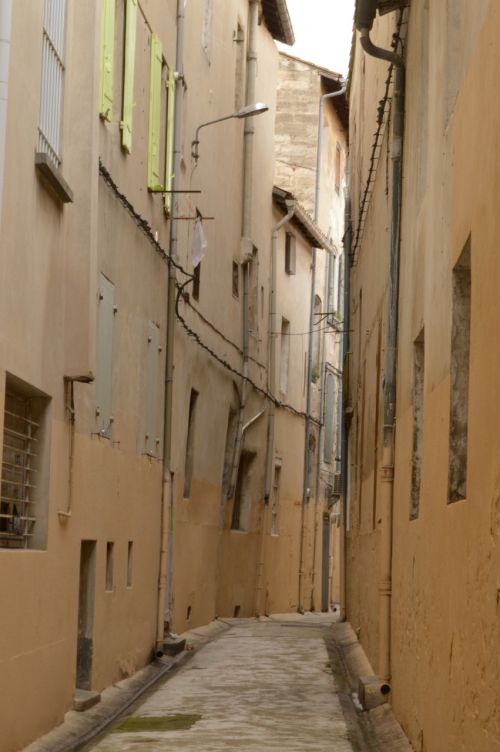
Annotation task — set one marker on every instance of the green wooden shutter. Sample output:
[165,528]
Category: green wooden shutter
[169,139]
[128,74]
[107,53]
[154,182]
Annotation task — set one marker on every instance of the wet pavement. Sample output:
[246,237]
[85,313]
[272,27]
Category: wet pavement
[261,685]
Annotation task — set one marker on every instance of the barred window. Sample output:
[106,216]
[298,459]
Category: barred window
[51,96]
[23,447]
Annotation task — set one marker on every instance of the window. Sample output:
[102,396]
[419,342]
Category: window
[107,59]
[110,547]
[196,281]
[104,372]
[333,289]
[340,287]
[459,375]
[276,500]
[130,563]
[338,165]
[232,426]
[153,363]
[128,73]
[48,157]
[161,120]
[418,409]
[189,461]
[316,339]
[284,355]
[52,84]
[23,504]
[155,182]
[242,497]
[253,303]
[236,280]
[329,416]
[290,255]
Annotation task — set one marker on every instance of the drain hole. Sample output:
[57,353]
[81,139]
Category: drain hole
[236,612]
[188,614]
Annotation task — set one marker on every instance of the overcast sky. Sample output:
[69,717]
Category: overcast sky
[323,30]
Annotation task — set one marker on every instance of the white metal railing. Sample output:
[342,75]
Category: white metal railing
[18,473]
[51,93]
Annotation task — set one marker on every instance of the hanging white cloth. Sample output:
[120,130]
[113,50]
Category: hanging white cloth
[200,244]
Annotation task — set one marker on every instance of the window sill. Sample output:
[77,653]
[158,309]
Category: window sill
[53,178]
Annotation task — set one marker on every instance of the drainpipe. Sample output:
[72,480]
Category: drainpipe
[166,573]
[271,384]
[246,229]
[317,189]
[344,460]
[5,32]
[387,487]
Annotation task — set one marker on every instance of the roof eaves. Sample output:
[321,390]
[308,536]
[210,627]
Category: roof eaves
[326,72]
[302,219]
[278,21]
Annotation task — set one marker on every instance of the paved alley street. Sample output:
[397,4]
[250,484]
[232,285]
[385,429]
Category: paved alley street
[262,685]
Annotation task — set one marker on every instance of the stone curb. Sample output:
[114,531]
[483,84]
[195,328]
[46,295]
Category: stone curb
[78,730]
[388,734]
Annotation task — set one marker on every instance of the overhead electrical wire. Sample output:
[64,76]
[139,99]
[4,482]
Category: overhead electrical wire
[145,227]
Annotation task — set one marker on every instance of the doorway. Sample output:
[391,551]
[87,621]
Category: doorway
[85,615]
[325,564]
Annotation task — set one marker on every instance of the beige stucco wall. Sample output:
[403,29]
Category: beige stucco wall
[53,257]
[445,571]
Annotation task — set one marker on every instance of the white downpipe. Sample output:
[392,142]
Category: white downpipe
[5,33]
[166,565]
[246,227]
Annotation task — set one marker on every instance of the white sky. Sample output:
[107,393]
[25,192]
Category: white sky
[323,31]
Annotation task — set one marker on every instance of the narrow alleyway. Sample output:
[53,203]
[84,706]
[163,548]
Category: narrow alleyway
[269,685]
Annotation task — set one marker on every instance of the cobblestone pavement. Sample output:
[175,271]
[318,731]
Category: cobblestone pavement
[261,685]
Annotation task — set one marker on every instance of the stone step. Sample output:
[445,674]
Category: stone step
[83,699]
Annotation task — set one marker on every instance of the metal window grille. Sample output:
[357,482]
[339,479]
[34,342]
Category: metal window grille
[51,96]
[20,442]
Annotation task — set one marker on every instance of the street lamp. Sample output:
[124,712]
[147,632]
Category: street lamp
[252,109]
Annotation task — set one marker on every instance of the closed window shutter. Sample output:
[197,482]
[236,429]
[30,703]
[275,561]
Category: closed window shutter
[128,74]
[107,52]
[169,139]
[154,182]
